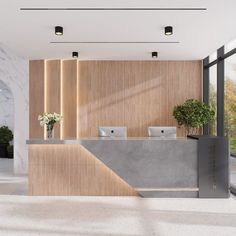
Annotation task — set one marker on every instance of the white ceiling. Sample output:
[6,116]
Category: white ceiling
[29,33]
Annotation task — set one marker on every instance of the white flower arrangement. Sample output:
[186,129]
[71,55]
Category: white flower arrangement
[49,118]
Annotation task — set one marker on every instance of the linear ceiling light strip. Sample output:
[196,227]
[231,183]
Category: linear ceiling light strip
[67,42]
[112,9]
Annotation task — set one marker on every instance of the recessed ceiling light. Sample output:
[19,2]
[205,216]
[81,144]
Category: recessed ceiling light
[75,54]
[154,54]
[168,30]
[59,30]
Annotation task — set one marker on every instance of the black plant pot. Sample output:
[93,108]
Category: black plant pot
[10,152]
[3,151]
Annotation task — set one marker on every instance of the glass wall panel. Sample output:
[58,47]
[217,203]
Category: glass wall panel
[213,56]
[213,97]
[231,45]
[230,101]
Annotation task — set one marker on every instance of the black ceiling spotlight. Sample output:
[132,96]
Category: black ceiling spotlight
[154,54]
[168,30]
[75,54]
[58,30]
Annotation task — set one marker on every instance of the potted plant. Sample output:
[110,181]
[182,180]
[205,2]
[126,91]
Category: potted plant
[10,151]
[193,114]
[6,136]
[49,119]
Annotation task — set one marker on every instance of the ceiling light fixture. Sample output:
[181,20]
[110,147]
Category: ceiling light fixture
[75,54]
[168,30]
[154,54]
[58,30]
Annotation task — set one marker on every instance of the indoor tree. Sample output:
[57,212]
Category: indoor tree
[193,114]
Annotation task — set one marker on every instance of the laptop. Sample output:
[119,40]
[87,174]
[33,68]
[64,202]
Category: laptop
[112,131]
[162,131]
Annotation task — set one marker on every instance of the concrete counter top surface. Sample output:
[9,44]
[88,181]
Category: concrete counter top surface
[80,141]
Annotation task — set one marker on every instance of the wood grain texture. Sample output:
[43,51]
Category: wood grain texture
[36,97]
[69,99]
[184,82]
[53,90]
[83,91]
[72,170]
[136,94]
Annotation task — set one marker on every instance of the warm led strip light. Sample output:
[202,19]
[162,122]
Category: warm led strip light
[77,99]
[61,99]
[45,95]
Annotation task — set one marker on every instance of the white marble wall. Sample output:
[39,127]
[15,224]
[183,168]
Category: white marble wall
[14,72]
[6,106]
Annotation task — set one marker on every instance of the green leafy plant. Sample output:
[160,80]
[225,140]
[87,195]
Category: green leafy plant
[6,135]
[193,114]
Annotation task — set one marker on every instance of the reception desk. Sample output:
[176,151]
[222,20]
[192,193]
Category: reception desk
[148,167]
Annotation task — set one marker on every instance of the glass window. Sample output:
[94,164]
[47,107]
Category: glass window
[230,46]
[213,56]
[213,97]
[230,101]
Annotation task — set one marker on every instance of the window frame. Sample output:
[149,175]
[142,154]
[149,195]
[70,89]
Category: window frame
[220,63]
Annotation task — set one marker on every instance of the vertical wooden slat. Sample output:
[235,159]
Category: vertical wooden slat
[145,96]
[136,94]
[53,90]
[36,97]
[69,95]
[106,96]
[184,82]
[83,102]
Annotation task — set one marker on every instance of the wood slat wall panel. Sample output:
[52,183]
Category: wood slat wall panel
[53,90]
[106,98]
[69,101]
[36,97]
[184,82]
[145,96]
[54,171]
[83,102]
[136,94]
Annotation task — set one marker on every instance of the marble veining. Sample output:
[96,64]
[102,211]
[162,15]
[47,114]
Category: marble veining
[14,72]
[6,106]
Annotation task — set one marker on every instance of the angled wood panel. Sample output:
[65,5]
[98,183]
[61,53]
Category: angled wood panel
[53,90]
[72,170]
[36,97]
[69,99]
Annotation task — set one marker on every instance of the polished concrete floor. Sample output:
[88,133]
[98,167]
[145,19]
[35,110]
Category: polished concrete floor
[109,216]
[11,184]
[116,216]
